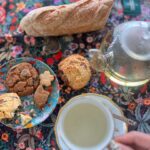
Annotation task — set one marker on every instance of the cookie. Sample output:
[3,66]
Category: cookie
[9,102]
[41,97]
[46,78]
[22,79]
[75,71]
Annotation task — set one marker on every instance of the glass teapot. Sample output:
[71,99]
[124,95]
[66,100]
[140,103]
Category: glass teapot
[127,60]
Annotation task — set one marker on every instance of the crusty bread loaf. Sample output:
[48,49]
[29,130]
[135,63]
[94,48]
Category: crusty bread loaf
[75,71]
[82,16]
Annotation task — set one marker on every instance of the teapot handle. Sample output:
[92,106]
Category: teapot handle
[100,60]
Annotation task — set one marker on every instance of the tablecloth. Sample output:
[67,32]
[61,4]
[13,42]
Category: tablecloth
[135,102]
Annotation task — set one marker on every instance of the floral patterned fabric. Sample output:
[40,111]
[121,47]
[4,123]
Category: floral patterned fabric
[135,102]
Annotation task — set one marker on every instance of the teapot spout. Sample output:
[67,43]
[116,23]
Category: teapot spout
[99,61]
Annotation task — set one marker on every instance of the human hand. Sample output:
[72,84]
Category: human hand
[134,141]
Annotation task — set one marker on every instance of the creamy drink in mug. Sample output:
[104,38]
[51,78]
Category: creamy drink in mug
[85,124]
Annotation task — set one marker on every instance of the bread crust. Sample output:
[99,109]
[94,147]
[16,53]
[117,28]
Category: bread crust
[81,16]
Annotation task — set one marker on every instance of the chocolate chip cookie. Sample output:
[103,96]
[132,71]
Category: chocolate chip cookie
[22,79]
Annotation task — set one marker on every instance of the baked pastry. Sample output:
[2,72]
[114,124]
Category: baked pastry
[22,79]
[46,78]
[9,102]
[75,71]
[82,16]
[41,97]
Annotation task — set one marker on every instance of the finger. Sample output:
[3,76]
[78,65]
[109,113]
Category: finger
[124,147]
[135,138]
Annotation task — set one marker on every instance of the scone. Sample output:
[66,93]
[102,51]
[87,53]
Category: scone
[22,79]
[75,71]
[9,102]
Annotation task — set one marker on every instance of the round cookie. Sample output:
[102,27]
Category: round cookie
[75,71]
[22,79]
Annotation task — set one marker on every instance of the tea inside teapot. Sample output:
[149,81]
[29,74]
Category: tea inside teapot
[127,60]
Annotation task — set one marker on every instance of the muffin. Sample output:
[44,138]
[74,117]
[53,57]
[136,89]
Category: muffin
[75,71]
[22,79]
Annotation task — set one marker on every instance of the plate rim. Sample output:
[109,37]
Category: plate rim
[30,124]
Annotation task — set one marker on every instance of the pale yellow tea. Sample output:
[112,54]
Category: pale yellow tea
[85,125]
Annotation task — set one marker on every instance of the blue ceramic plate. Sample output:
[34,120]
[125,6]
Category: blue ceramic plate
[28,105]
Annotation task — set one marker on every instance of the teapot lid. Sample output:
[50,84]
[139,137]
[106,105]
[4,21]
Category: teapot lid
[135,41]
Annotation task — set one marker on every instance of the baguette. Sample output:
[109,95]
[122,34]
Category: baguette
[78,17]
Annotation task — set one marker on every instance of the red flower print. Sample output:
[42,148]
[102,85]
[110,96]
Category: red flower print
[38,5]
[39,134]
[32,62]
[146,101]
[50,61]
[3,3]
[5,137]
[12,14]
[21,145]
[103,78]
[39,149]
[11,6]
[39,58]
[52,143]
[9,38]
[29,40]
[2,15]
[144,88]
[14,20]
[12,28]
[132,106]
[58,56]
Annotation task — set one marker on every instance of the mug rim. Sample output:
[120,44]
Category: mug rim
[98,104]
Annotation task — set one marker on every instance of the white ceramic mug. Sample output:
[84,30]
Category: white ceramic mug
[108,116]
